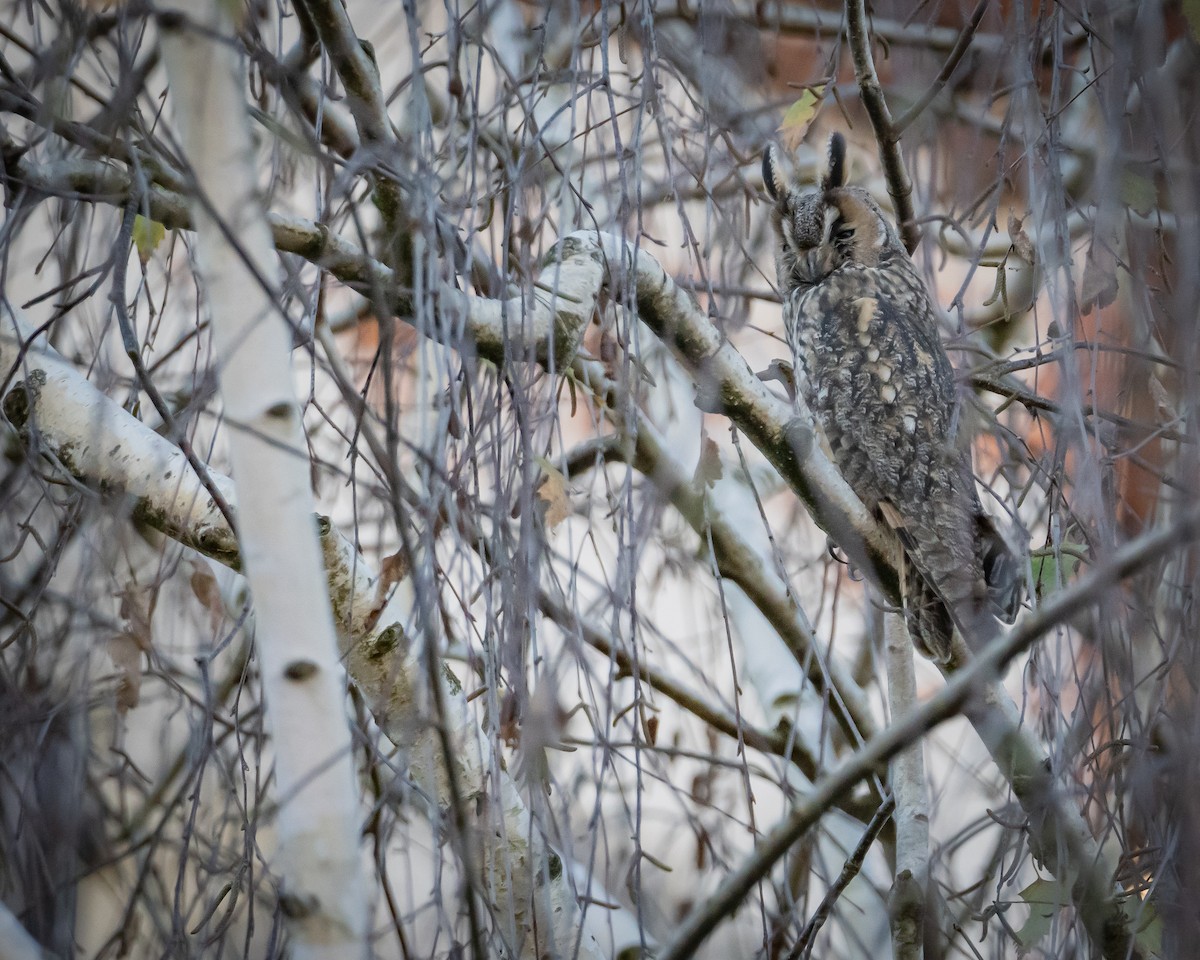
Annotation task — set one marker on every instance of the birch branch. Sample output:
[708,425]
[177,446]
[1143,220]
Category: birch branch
[1058,832]
[60,416]
[726,383]
[737,560]
[547,324]
[324,896]
[1072,854]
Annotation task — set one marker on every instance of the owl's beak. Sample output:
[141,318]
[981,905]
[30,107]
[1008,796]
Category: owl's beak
[813,265]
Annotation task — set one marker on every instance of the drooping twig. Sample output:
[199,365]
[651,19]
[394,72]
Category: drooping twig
[726,378]
[134,353]
[850,869]
[952,61]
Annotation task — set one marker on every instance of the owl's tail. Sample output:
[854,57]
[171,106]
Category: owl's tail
[1002,569]
[926,616]
[928,610]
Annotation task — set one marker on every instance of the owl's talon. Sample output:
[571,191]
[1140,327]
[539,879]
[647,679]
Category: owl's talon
[799,437]
[836,555]
[782,372]
[708,395]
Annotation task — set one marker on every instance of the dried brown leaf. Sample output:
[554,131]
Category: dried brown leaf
[708,468]
[125,650]
[1020,239]
[1099,287]
[553,491]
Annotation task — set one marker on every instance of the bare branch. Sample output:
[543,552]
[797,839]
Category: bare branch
[961,46]
[850,869]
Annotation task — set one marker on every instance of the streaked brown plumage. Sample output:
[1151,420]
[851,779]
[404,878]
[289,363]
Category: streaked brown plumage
[871,367]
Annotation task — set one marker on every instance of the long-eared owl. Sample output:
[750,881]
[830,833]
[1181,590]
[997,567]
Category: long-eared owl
[871,367]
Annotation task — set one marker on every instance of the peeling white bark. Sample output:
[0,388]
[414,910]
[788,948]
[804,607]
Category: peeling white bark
[73,424]
[715,365]
[66,419]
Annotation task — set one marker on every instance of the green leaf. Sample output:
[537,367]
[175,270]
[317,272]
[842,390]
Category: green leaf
[1138,192]
[147,234]
[1045,899]
[1191,12]
[800,115]
[1148,932]
[1050,571]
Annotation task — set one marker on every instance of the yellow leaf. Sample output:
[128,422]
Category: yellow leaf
[1138,192]
[800,115]
[147,234]
[1191,11]
[708,468]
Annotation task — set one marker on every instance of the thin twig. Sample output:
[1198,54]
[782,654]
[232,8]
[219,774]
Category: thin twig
[850,869]
[948,68]
[133,351]
[804,19]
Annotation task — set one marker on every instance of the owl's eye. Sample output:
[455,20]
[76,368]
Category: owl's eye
[842,234]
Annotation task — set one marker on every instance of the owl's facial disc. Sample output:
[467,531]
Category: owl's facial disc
[857,228]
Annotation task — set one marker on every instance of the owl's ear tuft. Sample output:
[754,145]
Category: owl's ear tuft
[775,176]
[835,173]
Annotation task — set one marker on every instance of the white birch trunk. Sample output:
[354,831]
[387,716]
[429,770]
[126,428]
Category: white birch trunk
[314,773]
[908,899]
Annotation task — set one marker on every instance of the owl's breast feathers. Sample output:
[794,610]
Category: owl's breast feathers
[873,372]
[870,364]
[871,369]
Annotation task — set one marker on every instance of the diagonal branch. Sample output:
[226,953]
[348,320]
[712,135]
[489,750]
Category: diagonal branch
[1057,831]
[952,61]
[785,437]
